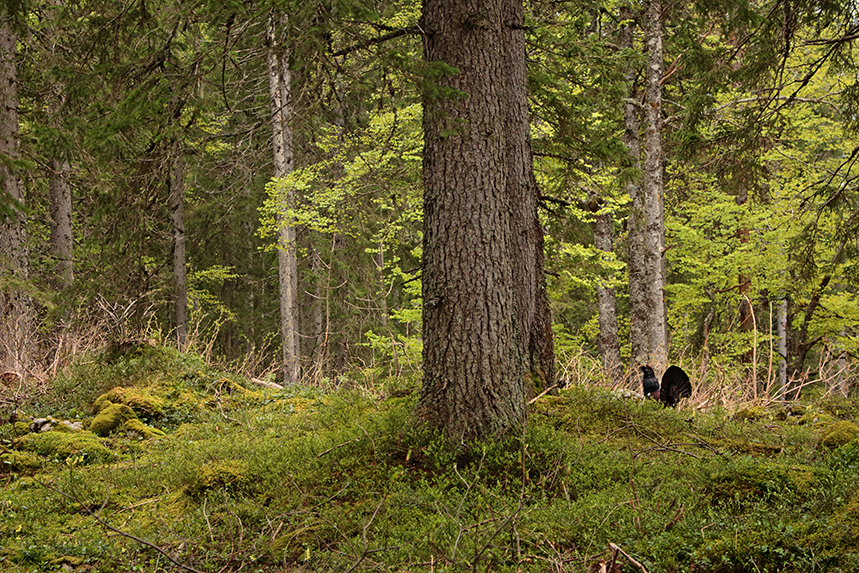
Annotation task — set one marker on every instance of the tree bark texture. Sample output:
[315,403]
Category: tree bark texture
[281,112]
[60,193]
[654,235]
[15,308]
[533,317]
[483,324]
[638,313]
[180,269]
[781,329]
[608,343]
[62,243]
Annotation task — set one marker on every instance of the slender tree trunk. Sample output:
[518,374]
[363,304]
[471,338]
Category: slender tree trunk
[608,343]
[15,307]
[60,194]
[180,272]
[654,236]
[62,242]
[476,362]
[281,108]
[745,285]
[781,329]
[638,312]
[318,334]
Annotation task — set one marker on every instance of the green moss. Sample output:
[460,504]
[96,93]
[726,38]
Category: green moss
[111,417]
[20,462]
[136,427]
[751,414]
[839,434]
[748,479]
[61,446]
[143,403]
[746,446]
[226,474]
[816,419]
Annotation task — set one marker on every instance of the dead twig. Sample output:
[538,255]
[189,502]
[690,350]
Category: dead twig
[541,394]
[617,549]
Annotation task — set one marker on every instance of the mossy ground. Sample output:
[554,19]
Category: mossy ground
[304,480]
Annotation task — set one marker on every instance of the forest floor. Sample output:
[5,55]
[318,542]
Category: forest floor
[187,468]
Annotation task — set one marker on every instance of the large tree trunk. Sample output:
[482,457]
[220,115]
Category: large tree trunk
[638,313]
[475,360]
[180,272]
[654,235]
[15,307]
[281,111]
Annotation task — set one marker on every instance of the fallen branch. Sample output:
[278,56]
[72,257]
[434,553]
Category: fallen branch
[617,549]
[541,394]
[265,384]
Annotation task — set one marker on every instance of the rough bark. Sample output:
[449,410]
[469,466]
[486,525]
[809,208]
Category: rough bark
[180,272]
[608,343]
[638,314]
[654,235]
[15,306]
[60,193]
[482,320]
[62,243]
[533,317]
[281,115]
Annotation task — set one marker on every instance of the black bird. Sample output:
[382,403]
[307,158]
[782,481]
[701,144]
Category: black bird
[649,383]
[675,385]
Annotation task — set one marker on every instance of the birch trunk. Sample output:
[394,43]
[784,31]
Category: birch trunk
[15,306]
[654,235]
[281,112]
[781,329]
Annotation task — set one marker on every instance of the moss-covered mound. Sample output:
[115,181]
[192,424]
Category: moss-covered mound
[145,404]
[111,417]
[839,434]
[85,447]
[137,428]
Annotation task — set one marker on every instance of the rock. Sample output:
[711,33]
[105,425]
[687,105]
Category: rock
[38,424]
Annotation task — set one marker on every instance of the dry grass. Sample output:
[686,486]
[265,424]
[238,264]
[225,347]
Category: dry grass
[729,386]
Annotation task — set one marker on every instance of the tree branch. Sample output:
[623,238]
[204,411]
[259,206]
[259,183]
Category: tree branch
[364,44]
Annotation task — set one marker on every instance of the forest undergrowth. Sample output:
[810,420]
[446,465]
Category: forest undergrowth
[156,460]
